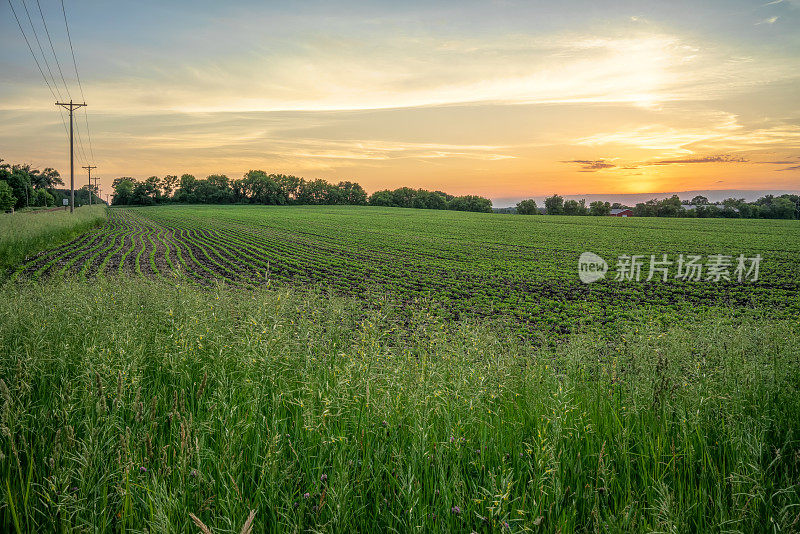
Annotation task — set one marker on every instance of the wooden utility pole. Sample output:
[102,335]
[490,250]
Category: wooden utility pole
[89,168]
[71,107]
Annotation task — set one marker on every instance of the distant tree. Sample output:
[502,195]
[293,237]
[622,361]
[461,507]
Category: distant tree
[314,192]
[384,197]
[782,208]
[599,208]
[669,207]
[215,189]
[169,184]
[154,188]
[42,198]
[19,178]
[618,206]
[123,190]
[351,193]
[289,185]
[646,209]
[143,193]
[46,179]
[554,205]
[444,195]
[187,190]
[470,203]
[699,200]
[429,200]
[7,198]
[527,207]
[575,207]
[404,197]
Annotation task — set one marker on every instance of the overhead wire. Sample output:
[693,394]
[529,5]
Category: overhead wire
[38,66]
[78,78]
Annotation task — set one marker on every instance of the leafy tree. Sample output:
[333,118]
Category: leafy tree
[428,200]
[700,200]
[527,207]
[670,207]
[186,191]
[574,207]
[289,185]
[447,197]
[470,203]
[123,190]
[154,188]
[168,184]
[646,209]
[782,208]
[554,205]
[384,197]
[599,208]
[42,198]
[404,197]
[19,179]
[7,198]
[46,179]
[144,193]
[351,193]
[312,192]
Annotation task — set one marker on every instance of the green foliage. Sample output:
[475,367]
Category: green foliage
[474,264]
[43,198]
[527,207]
[470,203]
[574,207]
[406,197]
[599,208]
[7,198]
[554,205]
[132,404]
[256,187]
[24,234]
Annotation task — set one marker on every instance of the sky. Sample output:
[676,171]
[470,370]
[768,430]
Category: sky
[503,99]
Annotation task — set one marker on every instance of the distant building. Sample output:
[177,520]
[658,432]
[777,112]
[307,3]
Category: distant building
[622,212]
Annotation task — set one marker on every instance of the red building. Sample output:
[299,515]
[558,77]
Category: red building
[624,212]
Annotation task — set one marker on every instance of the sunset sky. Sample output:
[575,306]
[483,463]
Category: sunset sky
[503,99]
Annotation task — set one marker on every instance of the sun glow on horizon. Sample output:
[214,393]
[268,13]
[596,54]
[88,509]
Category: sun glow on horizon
[611,102]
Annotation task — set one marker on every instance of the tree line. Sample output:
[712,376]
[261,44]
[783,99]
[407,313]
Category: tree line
[22,186]
[258,187]
[767,207]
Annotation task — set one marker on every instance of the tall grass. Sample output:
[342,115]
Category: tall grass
[23,234]
[130,405]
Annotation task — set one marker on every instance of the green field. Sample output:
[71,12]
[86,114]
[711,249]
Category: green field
[523,269]
[28,232]
[389,370]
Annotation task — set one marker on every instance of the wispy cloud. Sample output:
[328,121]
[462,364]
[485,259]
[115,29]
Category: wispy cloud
[771,20]
[591,165]
[704,159]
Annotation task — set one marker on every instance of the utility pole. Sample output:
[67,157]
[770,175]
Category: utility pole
[89,168]
[71,107]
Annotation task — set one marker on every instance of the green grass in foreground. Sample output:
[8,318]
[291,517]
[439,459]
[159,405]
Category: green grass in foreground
[131,404]
[24,234]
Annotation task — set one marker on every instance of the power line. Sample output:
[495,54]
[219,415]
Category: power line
[38,66]
[41,50]
[52,48]
[77,77]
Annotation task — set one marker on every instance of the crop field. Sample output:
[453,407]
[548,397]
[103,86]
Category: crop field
[523,269]
[353,369]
